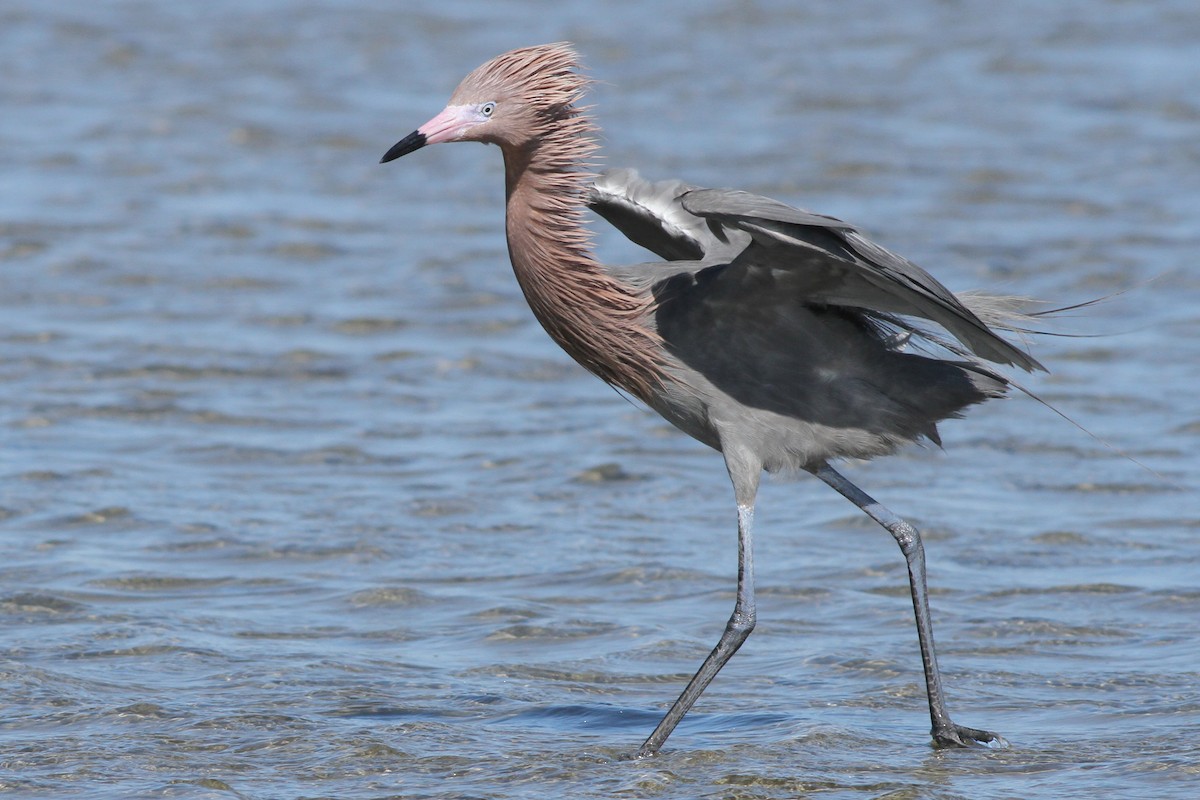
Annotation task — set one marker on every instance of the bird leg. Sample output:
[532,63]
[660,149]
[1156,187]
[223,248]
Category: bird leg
[741,622]
[945,732]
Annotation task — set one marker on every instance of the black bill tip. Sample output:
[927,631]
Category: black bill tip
[414,141]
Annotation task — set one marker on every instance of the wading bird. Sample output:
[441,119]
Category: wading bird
[776,336]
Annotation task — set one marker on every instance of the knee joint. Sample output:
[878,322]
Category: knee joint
[743,622]
[907,537]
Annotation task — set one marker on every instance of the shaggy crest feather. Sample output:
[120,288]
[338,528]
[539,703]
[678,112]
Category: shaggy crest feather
[548,151]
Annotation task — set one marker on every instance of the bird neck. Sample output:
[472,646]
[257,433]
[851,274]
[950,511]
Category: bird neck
[598,320]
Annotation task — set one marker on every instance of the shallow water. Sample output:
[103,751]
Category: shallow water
[297,500]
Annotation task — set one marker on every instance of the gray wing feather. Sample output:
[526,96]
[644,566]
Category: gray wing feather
[650,214]
[829,261]
[814,257]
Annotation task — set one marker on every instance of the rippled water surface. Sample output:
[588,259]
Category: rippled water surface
[297,500]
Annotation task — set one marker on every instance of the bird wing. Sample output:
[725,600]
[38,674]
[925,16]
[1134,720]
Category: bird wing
[827,261]
[650,214]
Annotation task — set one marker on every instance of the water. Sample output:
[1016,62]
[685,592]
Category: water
[296,500]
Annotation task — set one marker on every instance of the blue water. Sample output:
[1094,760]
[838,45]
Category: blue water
[297,500]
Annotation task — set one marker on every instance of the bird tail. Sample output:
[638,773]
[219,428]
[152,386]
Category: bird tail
[1015,314]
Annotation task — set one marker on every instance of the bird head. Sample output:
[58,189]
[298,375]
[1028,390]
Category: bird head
[513,101]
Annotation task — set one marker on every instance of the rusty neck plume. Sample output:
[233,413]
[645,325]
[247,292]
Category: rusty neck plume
[596,319]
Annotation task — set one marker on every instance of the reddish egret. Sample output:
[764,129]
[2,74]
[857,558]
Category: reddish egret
[776,336]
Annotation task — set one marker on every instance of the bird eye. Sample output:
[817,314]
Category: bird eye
[487,108]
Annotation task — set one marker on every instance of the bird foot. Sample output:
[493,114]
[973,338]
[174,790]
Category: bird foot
[961,736]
